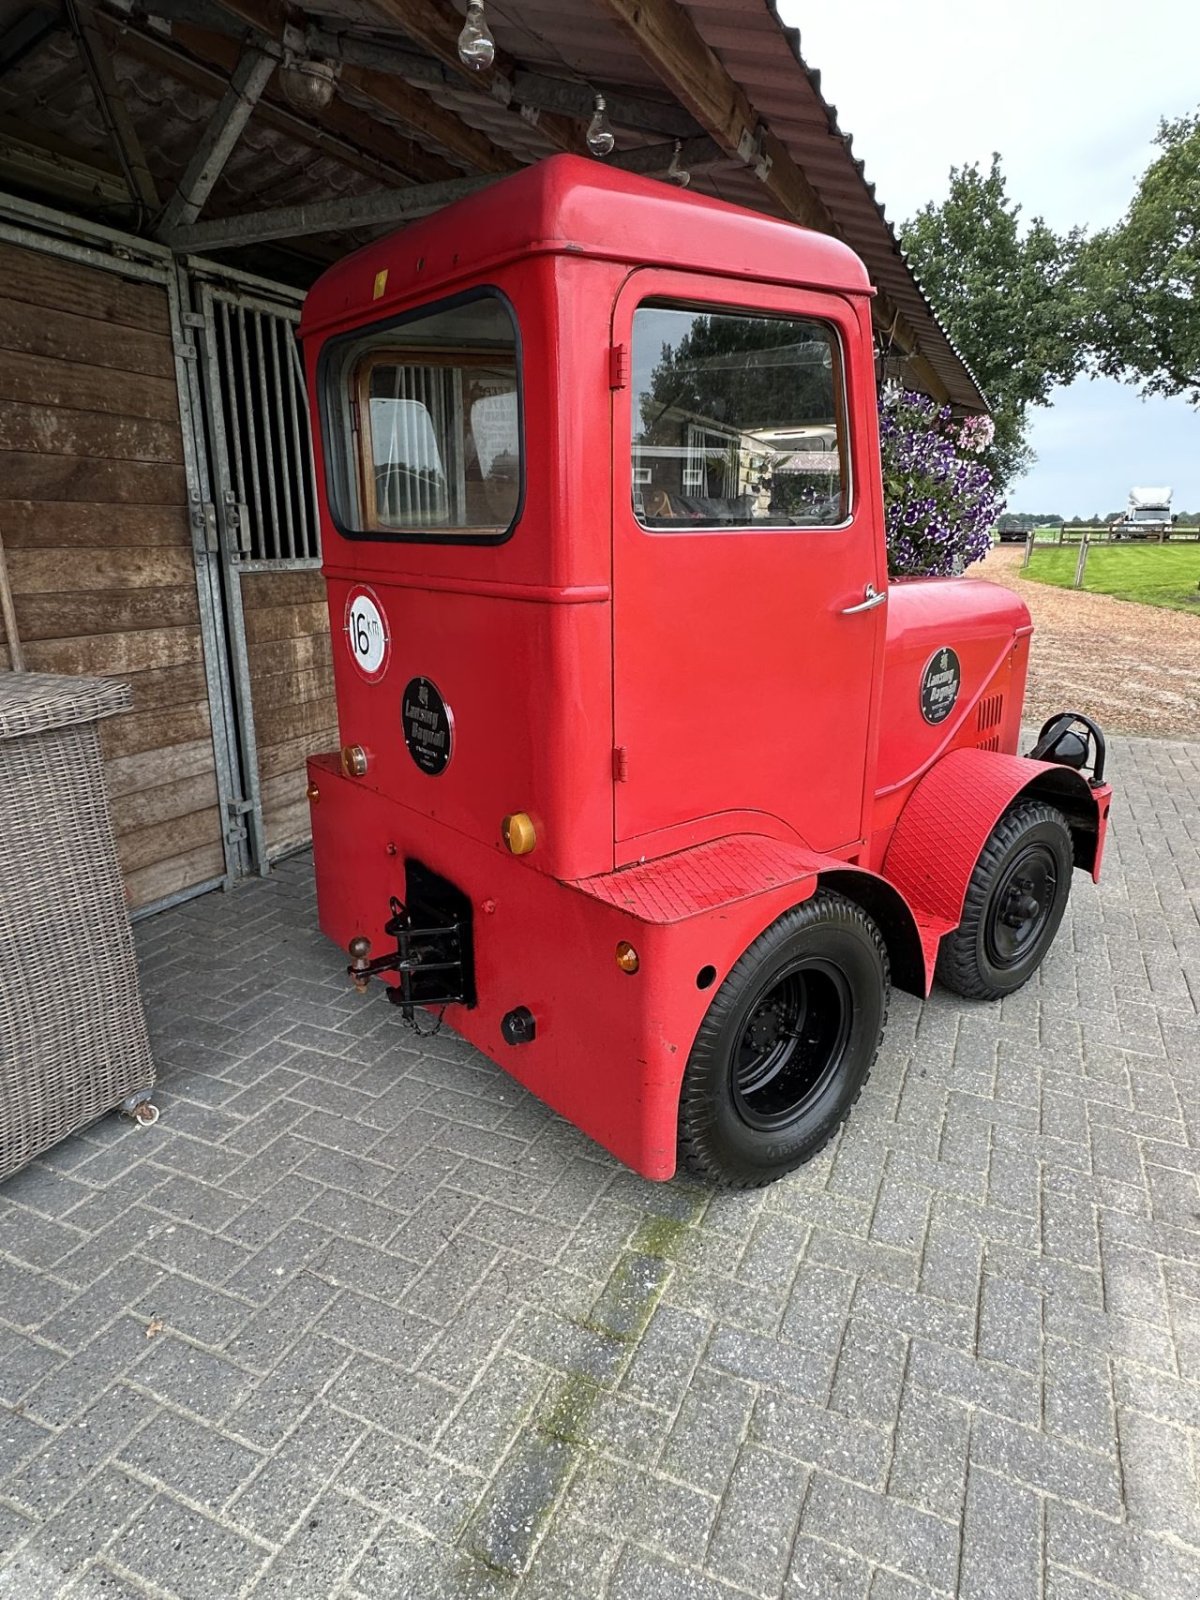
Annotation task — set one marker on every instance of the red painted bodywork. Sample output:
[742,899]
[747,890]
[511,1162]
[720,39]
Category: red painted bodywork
[699,734]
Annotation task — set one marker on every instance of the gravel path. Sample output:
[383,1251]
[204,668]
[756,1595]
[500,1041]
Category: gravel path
[1135,668]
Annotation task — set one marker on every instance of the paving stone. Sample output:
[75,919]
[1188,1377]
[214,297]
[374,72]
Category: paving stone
[822,1569]
[1010,1324]
[1051,1465]
[179,1549]
[929,1461]
[508,1524]
[760,1509]
[994,1387]
[331,1536]
[1002,1539]
[1159,1475]
[405,1480]
[195,1379]
[805,1374]
[887,1532]
[645,1506]
[870,1372]
[708,1432]
[194,1461]
[642,1576]
[819,1438]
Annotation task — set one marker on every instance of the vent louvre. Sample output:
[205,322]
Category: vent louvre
[990,712]
[990,743]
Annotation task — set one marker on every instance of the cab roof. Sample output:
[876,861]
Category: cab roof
[568,204]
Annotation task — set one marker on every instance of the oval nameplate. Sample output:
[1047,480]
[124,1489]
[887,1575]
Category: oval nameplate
[428,725]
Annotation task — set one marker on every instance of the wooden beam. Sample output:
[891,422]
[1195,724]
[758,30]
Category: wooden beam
[342,131]
[217,142]
[416,110]
[110,101]
[669,41]
[409,104]
[375,210]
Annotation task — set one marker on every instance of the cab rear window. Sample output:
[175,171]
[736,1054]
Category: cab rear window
[738,420]
[423,425]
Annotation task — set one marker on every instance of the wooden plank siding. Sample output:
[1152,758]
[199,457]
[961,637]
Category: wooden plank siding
[93,517]
[291,672]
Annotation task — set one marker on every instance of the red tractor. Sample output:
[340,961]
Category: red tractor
[650,782]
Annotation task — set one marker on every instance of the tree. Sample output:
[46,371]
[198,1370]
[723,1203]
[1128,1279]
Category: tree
[1009,299]
[1144,274]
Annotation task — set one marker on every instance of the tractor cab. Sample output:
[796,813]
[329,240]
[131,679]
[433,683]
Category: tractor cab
[621,683]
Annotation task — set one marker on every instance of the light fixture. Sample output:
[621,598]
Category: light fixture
[307,83]
[676,172]
[600,137]
[627,957]
[354,761]
[476,47]
[518,833]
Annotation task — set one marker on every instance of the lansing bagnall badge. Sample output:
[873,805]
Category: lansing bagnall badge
[428,726]
[939,685]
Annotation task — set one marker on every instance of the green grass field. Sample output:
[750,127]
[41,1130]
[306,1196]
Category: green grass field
[1154,574]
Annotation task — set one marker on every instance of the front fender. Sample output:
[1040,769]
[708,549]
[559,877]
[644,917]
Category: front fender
[949,815]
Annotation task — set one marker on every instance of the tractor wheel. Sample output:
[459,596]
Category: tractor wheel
[786,1045]
[1014,904]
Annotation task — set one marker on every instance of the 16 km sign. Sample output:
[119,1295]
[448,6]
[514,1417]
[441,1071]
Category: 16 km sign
[367,634]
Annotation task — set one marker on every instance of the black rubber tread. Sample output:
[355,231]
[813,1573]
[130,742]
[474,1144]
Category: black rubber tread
[700,1147]
[961,966]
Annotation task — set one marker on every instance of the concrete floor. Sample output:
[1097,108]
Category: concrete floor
[360,1318]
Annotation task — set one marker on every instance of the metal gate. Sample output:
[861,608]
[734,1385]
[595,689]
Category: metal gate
[264,526]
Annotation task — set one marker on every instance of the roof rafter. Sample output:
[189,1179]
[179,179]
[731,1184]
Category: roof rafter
[344,132]
[95,53]
[669,42]
[229,117]
[409,104]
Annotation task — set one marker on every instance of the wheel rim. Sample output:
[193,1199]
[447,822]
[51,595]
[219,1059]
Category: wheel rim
[1021,906]
[792,1044]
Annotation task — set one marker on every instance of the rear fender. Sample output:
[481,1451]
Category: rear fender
[952,811]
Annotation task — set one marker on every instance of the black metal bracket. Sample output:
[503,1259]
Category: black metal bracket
[433,958]
[1052,744]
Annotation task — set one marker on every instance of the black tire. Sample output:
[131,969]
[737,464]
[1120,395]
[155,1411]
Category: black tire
[1014,904]
[786,1045]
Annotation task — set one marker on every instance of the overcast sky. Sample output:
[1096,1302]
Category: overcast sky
[1070,93]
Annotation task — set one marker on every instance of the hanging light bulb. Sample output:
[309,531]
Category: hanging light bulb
[476,47]
[676,172]
[600,137]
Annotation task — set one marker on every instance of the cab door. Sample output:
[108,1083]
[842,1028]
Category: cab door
[749,573]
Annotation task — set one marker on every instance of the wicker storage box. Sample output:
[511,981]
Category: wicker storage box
[73,1041]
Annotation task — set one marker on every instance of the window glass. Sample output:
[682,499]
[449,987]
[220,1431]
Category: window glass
[428,437]
[737,420]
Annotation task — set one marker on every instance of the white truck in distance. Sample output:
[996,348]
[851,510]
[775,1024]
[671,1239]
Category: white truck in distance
[1147,516]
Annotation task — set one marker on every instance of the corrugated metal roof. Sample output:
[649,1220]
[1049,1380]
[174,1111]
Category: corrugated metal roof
[574,39]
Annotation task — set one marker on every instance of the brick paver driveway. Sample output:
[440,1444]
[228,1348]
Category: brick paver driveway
[360,1318]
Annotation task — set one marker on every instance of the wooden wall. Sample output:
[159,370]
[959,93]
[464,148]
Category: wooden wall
[287,641]
[93,518]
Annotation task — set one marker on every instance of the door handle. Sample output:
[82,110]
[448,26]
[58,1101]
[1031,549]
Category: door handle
[872,597]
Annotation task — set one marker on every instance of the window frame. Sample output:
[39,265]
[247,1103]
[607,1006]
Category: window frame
[658,301]
[347,457]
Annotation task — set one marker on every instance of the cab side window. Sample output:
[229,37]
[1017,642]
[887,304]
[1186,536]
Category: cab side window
[424,426]
[738,420]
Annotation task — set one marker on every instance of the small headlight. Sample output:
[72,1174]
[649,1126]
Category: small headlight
[627,957]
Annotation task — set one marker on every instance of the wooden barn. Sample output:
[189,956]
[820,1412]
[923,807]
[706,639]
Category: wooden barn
[173,173]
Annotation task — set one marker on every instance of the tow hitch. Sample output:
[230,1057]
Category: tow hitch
[433,958]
